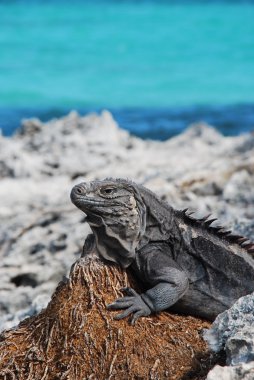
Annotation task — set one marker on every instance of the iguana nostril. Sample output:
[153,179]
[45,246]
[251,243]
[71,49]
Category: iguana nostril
[79,190]
[76,192]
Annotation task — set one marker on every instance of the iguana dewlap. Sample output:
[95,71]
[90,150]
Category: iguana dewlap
[184,262]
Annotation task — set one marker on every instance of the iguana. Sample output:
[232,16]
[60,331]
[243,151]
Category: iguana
[184,262]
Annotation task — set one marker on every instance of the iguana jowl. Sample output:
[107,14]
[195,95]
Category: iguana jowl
[184,262]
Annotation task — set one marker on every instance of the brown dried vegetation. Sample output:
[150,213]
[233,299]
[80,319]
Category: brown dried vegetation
[76,338]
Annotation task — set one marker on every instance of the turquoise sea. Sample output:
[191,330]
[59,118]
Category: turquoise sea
[157,65]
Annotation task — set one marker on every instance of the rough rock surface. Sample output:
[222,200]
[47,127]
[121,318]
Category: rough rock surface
[240,372]
[233,332]
[41,233]
[75,337]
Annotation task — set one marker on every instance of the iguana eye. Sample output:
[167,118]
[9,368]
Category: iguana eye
[107,190]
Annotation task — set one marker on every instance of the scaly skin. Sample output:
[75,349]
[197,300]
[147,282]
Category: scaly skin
[184,263]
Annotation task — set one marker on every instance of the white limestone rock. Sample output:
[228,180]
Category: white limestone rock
[42,233]
[240,372]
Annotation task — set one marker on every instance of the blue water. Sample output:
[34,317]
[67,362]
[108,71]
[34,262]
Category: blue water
[157,65]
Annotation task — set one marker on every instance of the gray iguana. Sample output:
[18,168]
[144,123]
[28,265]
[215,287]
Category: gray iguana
[184,262]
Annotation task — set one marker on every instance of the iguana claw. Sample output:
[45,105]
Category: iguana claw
[133,304]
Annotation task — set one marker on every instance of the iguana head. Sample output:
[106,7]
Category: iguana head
[116,214]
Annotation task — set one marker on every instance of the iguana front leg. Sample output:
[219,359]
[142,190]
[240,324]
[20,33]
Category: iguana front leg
[170,284]
[133,303]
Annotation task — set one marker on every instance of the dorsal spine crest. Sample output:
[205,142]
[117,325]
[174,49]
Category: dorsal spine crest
[218,231]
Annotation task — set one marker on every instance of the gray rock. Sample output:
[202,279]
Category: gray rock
[9,321]
[233,332]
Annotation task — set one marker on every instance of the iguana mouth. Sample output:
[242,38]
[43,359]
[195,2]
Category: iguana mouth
[89,201]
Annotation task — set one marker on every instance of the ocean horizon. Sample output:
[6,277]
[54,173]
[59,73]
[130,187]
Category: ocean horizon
[158,66]
[157,124]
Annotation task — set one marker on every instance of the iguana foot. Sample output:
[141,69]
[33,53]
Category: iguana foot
[133,304]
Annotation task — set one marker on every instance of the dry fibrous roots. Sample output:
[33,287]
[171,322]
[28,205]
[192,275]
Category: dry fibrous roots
[76,337]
